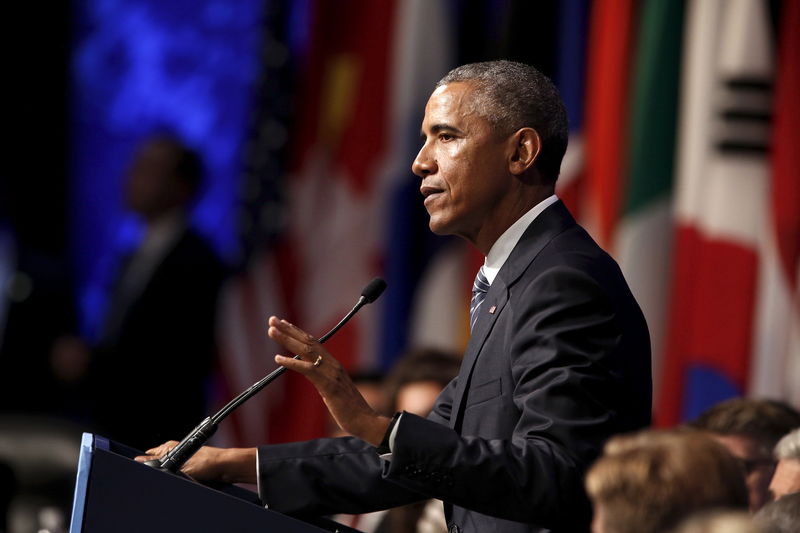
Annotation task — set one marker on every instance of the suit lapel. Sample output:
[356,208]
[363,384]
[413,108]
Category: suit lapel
[491,308]
[542,230]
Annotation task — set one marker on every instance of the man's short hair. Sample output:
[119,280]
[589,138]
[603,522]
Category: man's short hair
[789,446]
[763,420]
[651,480]
[513,95]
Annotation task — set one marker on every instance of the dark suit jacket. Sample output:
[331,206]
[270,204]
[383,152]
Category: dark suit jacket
[559,360]
[163,348]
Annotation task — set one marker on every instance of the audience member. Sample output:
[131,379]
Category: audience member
[786,479]
[651,480]
[412,385]
[416,380]
[750,428]
[780,516]
[157,336]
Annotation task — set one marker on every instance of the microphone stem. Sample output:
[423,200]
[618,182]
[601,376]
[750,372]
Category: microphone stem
[269,378]
[181,453]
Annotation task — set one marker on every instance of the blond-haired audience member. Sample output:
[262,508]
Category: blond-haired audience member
[651,480]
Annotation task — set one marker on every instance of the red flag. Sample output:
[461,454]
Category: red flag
[776,364]
[610,38]
[331,246]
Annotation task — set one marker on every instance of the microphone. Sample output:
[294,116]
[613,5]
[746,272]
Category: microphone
[173,460]
[373,290]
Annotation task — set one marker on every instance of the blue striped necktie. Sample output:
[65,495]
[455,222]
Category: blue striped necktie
[479,290]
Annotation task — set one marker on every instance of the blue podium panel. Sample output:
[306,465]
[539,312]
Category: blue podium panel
[115,493]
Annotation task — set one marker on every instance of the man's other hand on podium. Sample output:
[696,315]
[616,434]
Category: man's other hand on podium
[229,465]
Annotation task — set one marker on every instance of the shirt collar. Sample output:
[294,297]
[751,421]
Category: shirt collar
[162,233]
[503,246]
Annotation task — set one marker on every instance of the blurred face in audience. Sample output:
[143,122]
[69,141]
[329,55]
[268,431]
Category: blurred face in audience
[758,465]
[418,397]
[786,479]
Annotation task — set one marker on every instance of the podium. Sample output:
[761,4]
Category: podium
[115,493]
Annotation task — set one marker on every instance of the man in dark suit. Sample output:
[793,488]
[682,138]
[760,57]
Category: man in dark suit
[158,332]
[558,359]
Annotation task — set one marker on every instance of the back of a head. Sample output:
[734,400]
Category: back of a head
[651,480]
[761,419]
[513,95]
[780,516]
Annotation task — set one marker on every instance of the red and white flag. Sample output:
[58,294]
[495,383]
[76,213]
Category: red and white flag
[722,207]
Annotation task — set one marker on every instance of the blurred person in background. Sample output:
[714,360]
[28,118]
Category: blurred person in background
[750,428]
[157,335]
[416,379]
[786,479]
[652,480]
[412,385]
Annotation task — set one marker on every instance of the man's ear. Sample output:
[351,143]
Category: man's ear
[526,145]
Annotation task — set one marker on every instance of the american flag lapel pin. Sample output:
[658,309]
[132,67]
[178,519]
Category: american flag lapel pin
[492,309]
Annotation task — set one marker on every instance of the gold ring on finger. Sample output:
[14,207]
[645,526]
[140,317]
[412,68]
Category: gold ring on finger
[318,361]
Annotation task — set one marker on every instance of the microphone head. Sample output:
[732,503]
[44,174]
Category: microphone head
[373,290]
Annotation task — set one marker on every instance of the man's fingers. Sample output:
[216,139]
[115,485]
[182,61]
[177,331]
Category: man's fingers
[304,350]
[163,448]
[298,365]
[157,452]
[311,354]
[293,339]
[290,330]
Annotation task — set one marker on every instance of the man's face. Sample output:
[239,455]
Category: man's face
[758,466]
[152,187]
[786,479]
[463,164]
